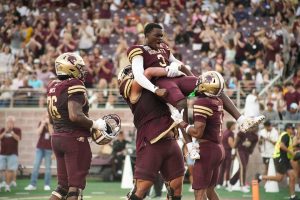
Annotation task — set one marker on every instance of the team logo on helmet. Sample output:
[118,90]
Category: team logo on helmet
[210,83]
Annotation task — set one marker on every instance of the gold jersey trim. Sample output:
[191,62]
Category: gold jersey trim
[204,108]
[134,52]
[202,112]
[163,133]
[76,90]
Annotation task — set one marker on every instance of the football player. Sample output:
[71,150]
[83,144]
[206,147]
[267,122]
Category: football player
[207,129]
[172,84]
[156,146]
[68,110]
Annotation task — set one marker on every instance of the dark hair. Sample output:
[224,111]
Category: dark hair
[288,125]
[267,123]
[229,124]
[149,27]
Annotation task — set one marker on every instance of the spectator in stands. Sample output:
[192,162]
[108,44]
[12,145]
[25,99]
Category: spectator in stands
[34,82]
[245,144]
[271,44]
[86,37]
[296,78]
[267,140]
[24,95]
[207,37]
[253,49]
[6,96]
[44,74]
[241,15]
[293,113]
[119,151]
[228,144]
[43,151]
[270,113]
[16,38]
[278,65]
[7,60]
[180,36]
[291,95]
[67,44]
[105,72]
[10,137]
[252,104]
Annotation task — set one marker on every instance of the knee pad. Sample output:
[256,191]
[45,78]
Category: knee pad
[60,192]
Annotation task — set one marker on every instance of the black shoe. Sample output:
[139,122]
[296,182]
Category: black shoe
[295,198]
[257,175]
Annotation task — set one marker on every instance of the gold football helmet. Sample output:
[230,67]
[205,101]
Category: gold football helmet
[124,74]
[210,83]
[113,127]
[70,64]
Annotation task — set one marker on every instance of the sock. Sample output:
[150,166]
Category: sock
[260,177]
[293,196]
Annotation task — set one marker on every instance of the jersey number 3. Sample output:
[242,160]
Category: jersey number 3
[52,109]
[162,60]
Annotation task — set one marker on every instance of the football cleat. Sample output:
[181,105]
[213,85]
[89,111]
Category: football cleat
[113,127]
[250,123]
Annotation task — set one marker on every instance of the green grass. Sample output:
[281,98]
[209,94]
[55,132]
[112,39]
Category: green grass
[97,190]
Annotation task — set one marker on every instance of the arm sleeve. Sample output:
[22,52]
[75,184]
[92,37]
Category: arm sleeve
[173,59]
[138,72]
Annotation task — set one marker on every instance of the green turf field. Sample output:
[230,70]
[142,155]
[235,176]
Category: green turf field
[97,190]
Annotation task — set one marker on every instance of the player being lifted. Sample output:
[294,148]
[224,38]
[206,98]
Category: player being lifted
[169,80]
[68,110]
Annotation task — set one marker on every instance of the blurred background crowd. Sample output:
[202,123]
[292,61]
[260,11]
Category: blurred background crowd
[252,43]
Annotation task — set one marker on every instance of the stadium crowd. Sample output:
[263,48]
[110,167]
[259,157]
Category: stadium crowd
[249,42]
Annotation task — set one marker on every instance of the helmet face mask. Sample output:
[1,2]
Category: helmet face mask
[113,127]
[210,83]
[71,65]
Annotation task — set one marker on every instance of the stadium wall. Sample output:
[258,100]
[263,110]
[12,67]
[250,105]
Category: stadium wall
[28,118]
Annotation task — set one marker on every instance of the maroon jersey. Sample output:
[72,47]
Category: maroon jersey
[58,95]
[44,141]
[151,115]
[227,134]
[210,111]
[152,57]
[244,138]
[9,145]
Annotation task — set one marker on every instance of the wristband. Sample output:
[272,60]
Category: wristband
[187,129]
